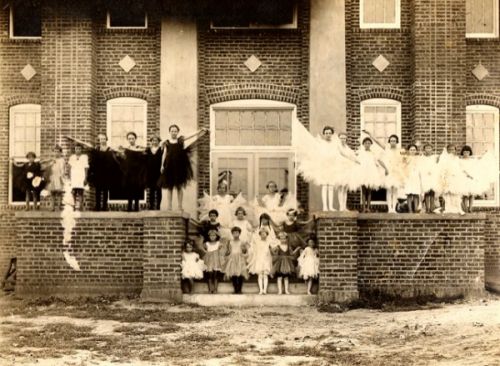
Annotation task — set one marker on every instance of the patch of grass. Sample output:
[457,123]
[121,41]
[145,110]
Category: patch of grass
[132,330]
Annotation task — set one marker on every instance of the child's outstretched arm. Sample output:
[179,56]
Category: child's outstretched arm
[19,164]
[383,166]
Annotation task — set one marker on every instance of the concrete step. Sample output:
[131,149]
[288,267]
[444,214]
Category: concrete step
[252,287]
[247,300]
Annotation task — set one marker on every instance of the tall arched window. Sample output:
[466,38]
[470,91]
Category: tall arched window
[483,135]
[382,118]
[24,136]
[126,115]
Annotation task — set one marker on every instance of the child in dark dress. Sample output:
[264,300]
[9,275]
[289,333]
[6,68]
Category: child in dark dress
[176,170]
[30,179]
[154,155]
[134,172]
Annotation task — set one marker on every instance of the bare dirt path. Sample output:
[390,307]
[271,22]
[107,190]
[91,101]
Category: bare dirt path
[128,332]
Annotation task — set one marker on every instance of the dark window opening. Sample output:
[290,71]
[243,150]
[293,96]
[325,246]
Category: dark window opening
[131,16]
[26,20]
[253,14]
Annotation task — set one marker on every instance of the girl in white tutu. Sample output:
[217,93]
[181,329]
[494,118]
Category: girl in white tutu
[369,174]
[327,188]
[260,259]
[235,267]
[392,158]
[346,180]
[266,223]
[428,176]
[243,224]
[480,173]
[450,174]
[309,263]
[214,254]
[192,265]
[412,181]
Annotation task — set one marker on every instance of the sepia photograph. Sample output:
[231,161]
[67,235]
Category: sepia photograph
[250,182]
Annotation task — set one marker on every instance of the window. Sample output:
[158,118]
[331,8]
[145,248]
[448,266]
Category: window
[125,115]
[481,18]
[253,14]
[382,118]
[251,145]
[24,137]
[482,135]
[379,13]
[132,16]
[25,20]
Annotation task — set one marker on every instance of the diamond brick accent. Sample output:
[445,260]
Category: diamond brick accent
[381,63]
[127,63]
[253,63]
[28,72]
[480,72]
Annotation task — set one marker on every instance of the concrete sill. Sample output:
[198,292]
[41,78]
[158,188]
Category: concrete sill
[378,216]
[105,215]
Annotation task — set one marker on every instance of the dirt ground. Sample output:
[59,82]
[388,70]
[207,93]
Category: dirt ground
[120,332]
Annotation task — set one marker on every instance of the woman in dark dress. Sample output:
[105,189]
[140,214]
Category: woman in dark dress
[154,155]
[104,169]
[176,170]
[134,171]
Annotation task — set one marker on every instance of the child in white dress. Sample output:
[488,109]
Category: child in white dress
[79,166]
[412,183]
[260,259]
[192,266]
[428,176]
[309,263]
[244,225]
[56,178]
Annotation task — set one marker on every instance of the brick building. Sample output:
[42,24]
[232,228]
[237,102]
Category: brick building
[428,71]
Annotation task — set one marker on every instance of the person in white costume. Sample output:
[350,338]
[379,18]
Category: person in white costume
[392,158]
[429,178]
[412,178]
[450,173]
[79,166]
[347,180]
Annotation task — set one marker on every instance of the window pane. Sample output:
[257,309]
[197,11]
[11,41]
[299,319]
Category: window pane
[390,11]
[27,21]
[132,15]
[235,172]
[481,16]
[275,169]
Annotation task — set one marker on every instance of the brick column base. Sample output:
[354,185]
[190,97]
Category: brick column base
[164,235]
[337,238]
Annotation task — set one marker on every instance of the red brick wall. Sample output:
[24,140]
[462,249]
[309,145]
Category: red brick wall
[364,81]
[283,76]
[492,250]
[451,250]
[164,237]
[337,238]
[14,89]
[8,246]
[111,248]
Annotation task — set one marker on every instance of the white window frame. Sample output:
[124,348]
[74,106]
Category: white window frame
[12,110]
[124,101]
[11,27]
[495,30]
[395,25]
[227,149]
[382,102]
[480,108]
[109,26]
[292,25]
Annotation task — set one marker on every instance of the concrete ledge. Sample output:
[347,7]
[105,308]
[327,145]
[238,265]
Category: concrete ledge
[104,215]
[249,288]
[249,300]
[419,217]
[335,214]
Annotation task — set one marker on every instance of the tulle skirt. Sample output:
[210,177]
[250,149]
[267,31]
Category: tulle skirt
[214,261]
[236,265]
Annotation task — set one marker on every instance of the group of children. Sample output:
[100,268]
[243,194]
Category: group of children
[417,177]
[163,164]
[268,250]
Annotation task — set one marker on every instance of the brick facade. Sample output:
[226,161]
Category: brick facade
[116,253]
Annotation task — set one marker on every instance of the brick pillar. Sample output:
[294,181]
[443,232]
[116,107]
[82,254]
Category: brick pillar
[164,235]
[337,239]
[68,72]
[439,71]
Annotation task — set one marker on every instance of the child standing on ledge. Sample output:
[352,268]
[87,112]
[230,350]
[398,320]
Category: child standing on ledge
[79,166]
[260,259]
[56,179]
[309,263]
[30,179]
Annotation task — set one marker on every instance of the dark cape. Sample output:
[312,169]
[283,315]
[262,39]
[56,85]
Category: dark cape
[104,170]
[134,170]
[153,162]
